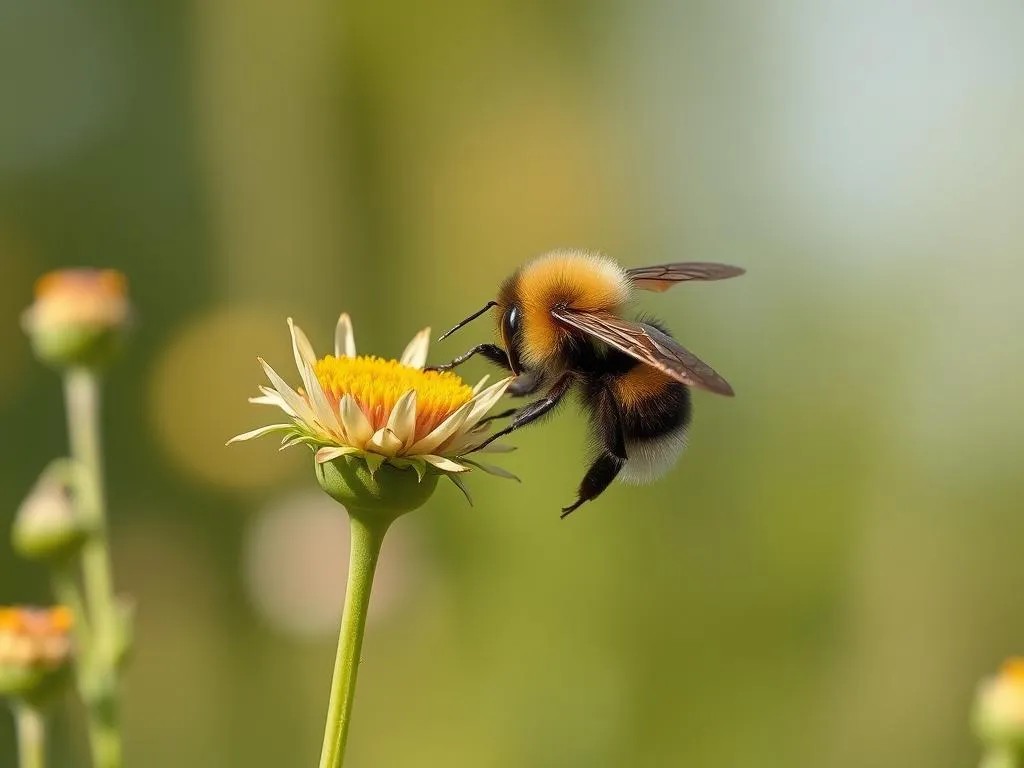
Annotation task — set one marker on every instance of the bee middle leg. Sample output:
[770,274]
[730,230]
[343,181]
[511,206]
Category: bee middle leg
[525,384]
[536,409]
[496,416]
[608,465]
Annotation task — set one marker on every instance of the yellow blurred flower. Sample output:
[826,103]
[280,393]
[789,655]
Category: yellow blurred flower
[999,713]
[381,411]
[79,316]
[35,650]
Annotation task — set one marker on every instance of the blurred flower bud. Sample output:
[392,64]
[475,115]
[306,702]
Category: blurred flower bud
[79,316]
[35,652]
[47,526]
[999,709]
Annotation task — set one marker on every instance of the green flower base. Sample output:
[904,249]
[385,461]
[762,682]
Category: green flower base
[384,495]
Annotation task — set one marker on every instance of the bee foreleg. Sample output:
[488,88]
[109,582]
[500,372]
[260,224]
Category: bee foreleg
[608,465]
[536,409]
[492,352]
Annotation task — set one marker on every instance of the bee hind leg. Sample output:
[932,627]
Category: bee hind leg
[598,477]
[608,465]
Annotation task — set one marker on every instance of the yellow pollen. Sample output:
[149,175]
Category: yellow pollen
[376,384]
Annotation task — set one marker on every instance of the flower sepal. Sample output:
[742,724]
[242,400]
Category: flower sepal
[387,492]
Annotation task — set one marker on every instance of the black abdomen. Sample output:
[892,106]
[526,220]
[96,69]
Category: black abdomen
[654,411]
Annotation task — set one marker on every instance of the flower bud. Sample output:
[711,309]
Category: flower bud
[387,493]
[47,526]
[35,652]
[79,317]
[999,709]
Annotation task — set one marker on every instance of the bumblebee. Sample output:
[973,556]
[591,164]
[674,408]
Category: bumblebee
[561,320]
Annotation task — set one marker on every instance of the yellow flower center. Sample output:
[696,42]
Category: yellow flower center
[376,384]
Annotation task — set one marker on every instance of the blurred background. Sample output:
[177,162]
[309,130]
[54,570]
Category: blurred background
[823,578]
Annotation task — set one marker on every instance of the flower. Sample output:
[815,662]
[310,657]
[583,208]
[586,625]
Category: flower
[79,316]
[378,411]
[35,650]
[999,711]
[47,526]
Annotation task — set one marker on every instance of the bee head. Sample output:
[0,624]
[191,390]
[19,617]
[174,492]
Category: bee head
[510,337]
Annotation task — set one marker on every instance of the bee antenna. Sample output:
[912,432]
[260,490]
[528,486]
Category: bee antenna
[468,320]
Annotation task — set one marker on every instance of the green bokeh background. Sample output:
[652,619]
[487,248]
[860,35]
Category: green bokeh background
[823,578]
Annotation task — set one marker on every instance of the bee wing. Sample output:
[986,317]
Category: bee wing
[648,345]
[661,277]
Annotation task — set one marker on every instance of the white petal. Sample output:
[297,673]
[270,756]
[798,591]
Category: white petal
[326,454]
[484,401]
[462,487]
[290,441]
[357,427]
[305,359]
[325,412]
[493,470]
[444,464]
[298,405]
[415,354]
[301,347]
[443,431]
[259,432]
[344,337]
[272,397]
[402,421]
[481,384]
[385,442]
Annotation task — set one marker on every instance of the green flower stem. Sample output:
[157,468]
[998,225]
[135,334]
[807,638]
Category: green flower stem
[99,673]
[367,536]
[31,736]
[65,588]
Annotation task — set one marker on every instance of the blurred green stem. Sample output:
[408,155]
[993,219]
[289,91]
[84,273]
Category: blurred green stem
[99,664]
[367,536]
[68,594]
[31,736]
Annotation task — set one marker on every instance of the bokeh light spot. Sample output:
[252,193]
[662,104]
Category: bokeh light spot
[198,398]
[296,561]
